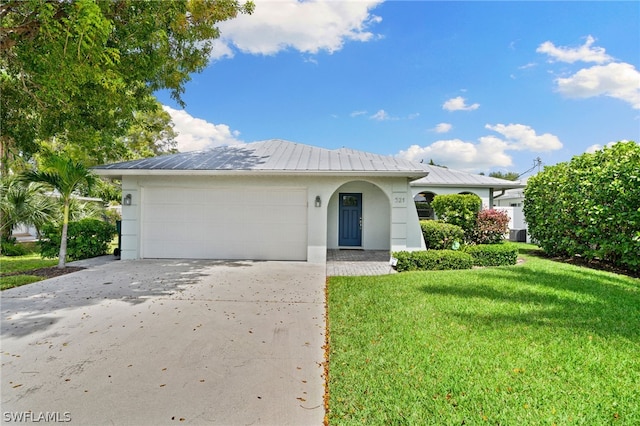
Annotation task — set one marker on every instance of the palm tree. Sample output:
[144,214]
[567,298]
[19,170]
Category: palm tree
[24,203]
[65,176]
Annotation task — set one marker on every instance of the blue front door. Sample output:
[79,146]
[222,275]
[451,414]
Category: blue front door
[350,220]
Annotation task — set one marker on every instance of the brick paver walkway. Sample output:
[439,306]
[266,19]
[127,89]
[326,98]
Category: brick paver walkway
[358,262]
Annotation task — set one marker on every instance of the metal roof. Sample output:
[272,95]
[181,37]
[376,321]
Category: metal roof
[276,156]
[444,177]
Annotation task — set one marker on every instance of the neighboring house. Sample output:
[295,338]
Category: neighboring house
[512,203]
[511,198]
[442,180]
[270,200]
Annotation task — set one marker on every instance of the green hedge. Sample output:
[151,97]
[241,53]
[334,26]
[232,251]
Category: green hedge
[589,206]
[432,260]
[85,239]
[458,209]
[439,235]
[493,254]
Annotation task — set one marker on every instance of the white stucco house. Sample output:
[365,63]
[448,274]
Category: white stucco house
[270,200]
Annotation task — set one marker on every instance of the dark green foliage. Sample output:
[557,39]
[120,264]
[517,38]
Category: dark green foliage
[491,226]
[458,209]
[432,260]
[589,206]
[86,238]
[439,235]
[493,254]
[78,70]
[10,247]
[424,210]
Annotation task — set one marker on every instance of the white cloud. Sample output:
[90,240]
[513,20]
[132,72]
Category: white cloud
[520,137]
[459,104]
[307,26]
[617,80]
[442,127]
[357,113]
[598,147]
[460,155]
[584,53]
[527,66]
[196,134]
[381,115]
[488,152]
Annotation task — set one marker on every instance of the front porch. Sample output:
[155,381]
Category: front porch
[358,262]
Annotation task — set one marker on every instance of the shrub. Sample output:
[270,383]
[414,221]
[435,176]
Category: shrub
[432,260]
[491,226]
[439,235]
[10,247]
[458,209]
[86,238]
[589,206]
[493,254]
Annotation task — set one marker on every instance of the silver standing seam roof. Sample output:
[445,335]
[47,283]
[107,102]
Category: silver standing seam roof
[275,156]
[445,177]
[278,156]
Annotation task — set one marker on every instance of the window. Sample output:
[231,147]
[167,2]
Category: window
[423,205]
[349,201]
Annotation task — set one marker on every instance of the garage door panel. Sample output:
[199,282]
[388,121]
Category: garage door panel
[223,223]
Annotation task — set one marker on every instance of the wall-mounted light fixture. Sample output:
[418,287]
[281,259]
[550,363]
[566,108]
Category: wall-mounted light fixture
[126,200]
[318,202]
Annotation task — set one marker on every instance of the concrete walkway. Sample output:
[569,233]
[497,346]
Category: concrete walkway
[167,342]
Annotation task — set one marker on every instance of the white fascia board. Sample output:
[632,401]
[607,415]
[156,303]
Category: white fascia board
[119,173]
[467,185]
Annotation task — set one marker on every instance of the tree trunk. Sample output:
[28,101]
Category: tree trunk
[62,256]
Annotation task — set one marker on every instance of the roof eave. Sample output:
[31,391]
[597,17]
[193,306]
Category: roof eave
[470,185]
[119,173]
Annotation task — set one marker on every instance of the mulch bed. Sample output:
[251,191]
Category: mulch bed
[50,272]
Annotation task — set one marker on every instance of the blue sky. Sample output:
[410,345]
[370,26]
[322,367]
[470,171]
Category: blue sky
[476,86]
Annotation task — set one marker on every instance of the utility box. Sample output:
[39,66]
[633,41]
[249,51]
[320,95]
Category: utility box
[518,235]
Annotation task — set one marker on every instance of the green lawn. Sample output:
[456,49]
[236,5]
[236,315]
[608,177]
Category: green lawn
[538,343]
[9,264]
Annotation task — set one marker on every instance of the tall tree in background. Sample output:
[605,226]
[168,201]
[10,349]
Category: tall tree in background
[513,176]
[77,71]
[65,176]
[151,133]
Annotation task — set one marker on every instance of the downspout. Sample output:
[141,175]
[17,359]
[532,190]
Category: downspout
[493,197]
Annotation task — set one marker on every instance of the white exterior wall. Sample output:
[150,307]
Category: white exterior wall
[516,218]
[508,201]
[389,217]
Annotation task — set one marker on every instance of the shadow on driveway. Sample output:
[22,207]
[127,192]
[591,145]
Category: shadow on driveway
[33,307]
[152,342]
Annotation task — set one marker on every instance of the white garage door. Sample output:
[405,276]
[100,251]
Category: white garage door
[224,223]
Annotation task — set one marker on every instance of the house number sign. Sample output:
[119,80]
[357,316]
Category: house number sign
[399,199]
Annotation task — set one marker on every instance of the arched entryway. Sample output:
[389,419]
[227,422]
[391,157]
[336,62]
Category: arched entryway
[358,217]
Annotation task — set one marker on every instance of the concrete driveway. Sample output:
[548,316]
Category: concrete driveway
[167,342]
